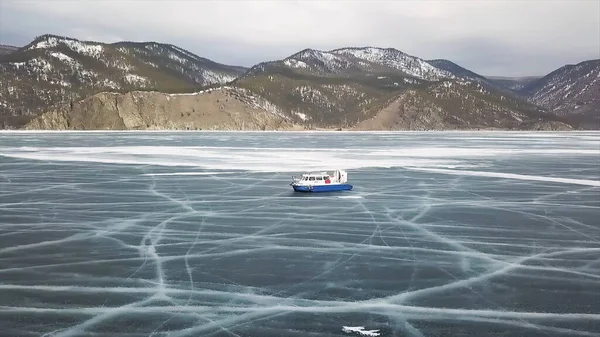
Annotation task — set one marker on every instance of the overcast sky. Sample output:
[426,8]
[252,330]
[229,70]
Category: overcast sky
[503,38]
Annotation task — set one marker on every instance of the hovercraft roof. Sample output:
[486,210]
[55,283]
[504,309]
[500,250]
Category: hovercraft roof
[315,174]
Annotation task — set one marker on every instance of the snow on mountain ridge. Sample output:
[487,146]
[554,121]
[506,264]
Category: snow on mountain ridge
[364,59]
[394,58]
[318,60]
[195,67]
[200,70]
[85,48]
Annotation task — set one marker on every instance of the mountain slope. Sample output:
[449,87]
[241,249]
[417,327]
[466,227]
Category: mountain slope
[395,59]
[6,49]
[54,70]
[455,69]
[572,91]
[469,75]
[448,106]
[343,87]
[515,84]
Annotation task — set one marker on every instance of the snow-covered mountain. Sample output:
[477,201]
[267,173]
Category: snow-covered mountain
[393,58]
[53,70]
[343,87]
[572,91]
[338,88]
[358,61]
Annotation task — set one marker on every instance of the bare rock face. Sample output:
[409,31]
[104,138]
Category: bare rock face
[403,114]
[53,120]
[223,109]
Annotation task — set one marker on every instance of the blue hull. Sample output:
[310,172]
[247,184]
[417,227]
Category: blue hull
[323,188]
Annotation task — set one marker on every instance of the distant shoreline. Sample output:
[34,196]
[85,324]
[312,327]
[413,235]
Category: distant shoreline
[298,131]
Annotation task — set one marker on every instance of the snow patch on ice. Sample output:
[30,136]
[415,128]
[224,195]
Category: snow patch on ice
[360,330]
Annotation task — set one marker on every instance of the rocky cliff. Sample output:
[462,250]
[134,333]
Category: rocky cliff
[224,108]
[231,108]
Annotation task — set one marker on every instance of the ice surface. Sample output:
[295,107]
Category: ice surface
[199,234]
[360,330]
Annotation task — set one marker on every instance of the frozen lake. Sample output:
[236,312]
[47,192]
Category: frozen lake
[199,234]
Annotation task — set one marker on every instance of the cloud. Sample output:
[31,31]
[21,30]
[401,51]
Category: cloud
[490,37]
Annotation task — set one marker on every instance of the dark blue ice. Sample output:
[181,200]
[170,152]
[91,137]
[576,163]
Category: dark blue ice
[199,234]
